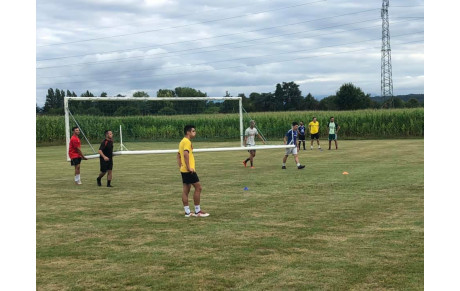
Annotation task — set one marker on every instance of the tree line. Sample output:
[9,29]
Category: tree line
[286,97]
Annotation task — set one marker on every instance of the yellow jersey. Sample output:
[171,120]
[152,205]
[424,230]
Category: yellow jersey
[186,145]
[314,127]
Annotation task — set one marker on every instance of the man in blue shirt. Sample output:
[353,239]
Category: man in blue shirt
[301,136]
[291,138]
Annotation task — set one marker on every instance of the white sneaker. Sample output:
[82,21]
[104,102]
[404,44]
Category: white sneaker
[190,214]
[201,214]
[78,182]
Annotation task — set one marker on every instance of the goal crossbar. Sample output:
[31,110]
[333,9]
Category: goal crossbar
[144,152]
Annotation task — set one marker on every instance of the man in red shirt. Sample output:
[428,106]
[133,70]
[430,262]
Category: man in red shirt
[75,153]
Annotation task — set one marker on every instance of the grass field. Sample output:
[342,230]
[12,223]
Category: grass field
[292,230]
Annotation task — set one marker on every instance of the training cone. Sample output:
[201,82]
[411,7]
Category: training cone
[345,173]
[246,189]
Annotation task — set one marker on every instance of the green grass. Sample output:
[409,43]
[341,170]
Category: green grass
[293,230]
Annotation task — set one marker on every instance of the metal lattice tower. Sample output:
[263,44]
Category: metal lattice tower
[386,78]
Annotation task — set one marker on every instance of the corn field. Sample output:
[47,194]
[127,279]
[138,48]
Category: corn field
[396,123]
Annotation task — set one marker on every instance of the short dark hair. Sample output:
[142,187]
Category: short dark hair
[331,117]
[73,128]
[106,131]
[188,128]
[295,123]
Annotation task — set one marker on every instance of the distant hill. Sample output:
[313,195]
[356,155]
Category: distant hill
[405,98]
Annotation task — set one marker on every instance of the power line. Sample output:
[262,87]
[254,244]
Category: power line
[208,38]
[185,25]
[200,49]
[232,67]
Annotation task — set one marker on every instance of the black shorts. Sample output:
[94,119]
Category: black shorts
[106,166]
[74,162]
[190,178]
[302,137]
[315,136]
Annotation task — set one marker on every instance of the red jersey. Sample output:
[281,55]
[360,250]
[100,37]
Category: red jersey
[73,145]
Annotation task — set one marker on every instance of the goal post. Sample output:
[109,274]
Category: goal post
[236,125]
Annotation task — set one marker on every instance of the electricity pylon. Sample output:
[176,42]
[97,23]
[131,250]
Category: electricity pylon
[386,85]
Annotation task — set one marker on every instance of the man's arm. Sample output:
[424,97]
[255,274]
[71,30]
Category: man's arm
[261,138]
[178,160]
[187,162]
[81,154]
[285,141]
[102,155]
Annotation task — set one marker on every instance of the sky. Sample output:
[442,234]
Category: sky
[124,46]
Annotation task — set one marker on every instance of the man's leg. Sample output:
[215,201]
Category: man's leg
[299,166]
[196,201]
[185,191]
[101,174]
[284,162]
[77,174]
[336,147]
[329,144]
[252,155]
[109,178]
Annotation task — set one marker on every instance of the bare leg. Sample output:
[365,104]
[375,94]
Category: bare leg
[197,194]
[185,191]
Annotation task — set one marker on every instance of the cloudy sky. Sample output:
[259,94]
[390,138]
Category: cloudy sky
[123,46]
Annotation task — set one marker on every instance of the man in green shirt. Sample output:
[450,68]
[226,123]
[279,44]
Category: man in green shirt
[333,129]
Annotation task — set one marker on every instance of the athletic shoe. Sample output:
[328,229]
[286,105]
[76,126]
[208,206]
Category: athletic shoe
[283,167]
[300,167]
[190,214]
[98,182]
[252,167]
[109,186]
[244,163]
[201,214]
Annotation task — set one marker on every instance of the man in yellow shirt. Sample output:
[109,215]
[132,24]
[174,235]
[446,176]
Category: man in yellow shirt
[313,127]
[186,163]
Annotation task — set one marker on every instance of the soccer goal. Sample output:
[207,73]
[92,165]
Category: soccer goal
[142,124]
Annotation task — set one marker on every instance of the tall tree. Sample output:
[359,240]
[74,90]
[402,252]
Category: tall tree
[310,103]
[166,93]
[350,97]
[287,97]
[140,94]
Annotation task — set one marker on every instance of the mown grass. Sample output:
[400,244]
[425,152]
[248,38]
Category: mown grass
[297,230]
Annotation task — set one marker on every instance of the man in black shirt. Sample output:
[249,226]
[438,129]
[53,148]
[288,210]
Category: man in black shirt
[105,158]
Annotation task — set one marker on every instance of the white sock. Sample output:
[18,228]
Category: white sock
[298,164]
[187,209]
[319,146]
[77,177]
[197,208]
[284,164]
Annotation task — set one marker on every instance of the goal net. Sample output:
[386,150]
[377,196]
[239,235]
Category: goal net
[153,125]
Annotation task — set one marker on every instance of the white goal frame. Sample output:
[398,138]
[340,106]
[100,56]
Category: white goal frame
[154,99]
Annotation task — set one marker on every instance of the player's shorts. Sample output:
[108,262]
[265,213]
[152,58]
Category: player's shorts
[106,165]
[332,136]
[190,178]
[315,135]
[74,162]
[291,151]
[302,137]
[248,145]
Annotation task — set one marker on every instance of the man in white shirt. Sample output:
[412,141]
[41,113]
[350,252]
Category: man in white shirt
[249,140]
